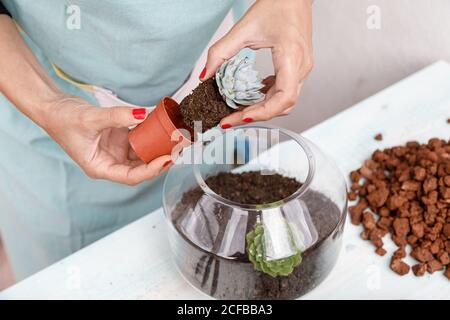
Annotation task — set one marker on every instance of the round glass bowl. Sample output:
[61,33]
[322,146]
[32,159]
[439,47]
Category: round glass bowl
[276,250]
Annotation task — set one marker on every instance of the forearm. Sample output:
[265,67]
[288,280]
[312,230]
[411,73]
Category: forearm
[22,78]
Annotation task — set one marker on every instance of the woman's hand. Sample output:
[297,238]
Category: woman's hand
[284,27]
[97,140]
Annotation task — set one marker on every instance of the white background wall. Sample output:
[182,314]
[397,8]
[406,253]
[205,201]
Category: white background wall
[353,62]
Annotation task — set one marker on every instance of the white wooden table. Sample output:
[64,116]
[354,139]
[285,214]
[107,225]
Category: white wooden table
[135,262]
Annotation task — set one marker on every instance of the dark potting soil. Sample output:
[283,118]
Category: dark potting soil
[253,187]
[204,104]
[234,277]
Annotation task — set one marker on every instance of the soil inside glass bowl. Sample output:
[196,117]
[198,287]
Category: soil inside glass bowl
[252,187]
[234,277]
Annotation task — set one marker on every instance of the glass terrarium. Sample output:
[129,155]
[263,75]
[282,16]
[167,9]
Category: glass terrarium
[254,212]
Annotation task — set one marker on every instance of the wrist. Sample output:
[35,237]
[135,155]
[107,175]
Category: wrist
[52,108]
[22,79]
[38,102]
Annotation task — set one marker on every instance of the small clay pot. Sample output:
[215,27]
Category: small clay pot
[158,134]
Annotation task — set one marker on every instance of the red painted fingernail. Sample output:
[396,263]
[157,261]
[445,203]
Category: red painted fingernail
[226,126]
[248,120]
[203,73]
[139,113]
[167,163]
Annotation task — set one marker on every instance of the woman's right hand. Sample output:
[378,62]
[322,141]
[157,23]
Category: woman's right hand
[97,139]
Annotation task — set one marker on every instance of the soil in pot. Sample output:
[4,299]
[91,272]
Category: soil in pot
[235,277]
[204,104]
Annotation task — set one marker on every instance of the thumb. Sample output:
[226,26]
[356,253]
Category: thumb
[119,117]
[222,50]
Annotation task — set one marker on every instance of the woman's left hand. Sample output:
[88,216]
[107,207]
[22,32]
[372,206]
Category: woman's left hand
[286,28]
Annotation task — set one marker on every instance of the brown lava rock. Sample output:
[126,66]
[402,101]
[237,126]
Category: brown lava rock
[447,271]
[204,104]
[380,251]
[399,267]
[419,269]
[405,191]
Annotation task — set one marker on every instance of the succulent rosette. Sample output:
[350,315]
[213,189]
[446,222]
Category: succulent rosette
[257,256]
[239,83]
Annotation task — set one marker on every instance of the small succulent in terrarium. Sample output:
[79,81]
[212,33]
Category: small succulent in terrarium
[236,84]
[239,83]
[257,255]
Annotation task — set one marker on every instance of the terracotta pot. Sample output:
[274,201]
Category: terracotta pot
[158,134]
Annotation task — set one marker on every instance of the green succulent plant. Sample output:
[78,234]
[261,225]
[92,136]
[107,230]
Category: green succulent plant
[239,83]
[257,256]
